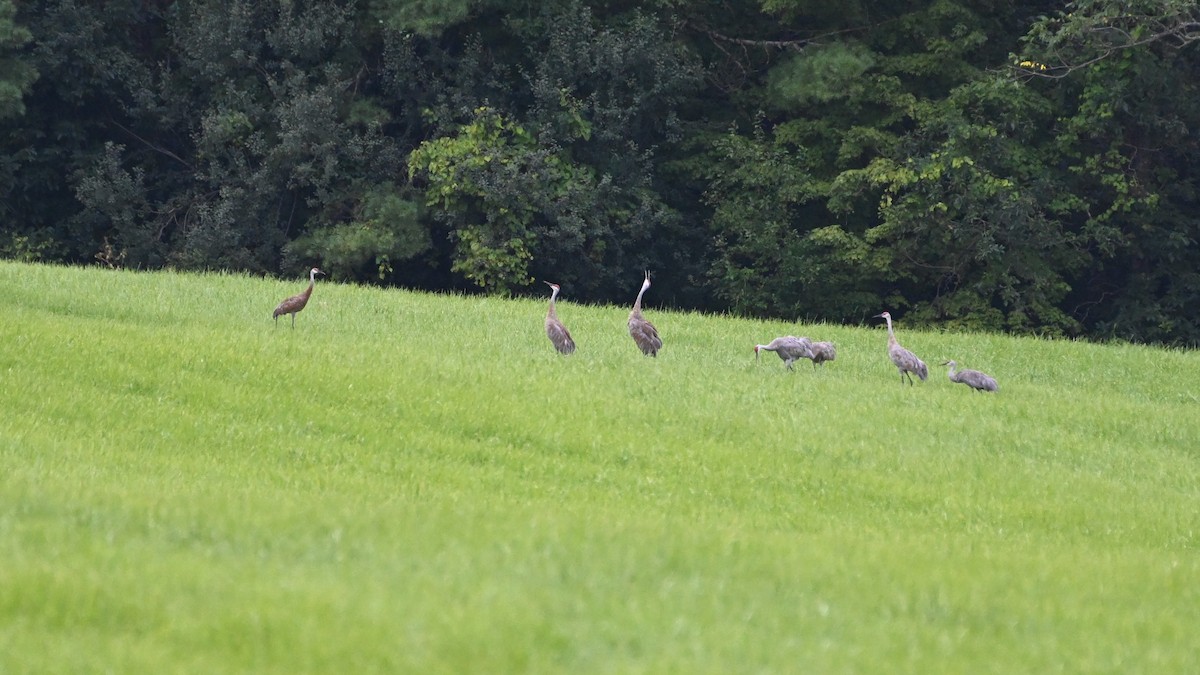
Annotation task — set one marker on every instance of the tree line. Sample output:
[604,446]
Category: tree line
[1001,165]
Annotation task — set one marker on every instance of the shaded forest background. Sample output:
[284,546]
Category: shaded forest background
[1020,166]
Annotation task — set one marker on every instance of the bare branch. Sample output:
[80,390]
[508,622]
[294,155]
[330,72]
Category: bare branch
[1110,39]
[765,44]
[796,44]
[148,144]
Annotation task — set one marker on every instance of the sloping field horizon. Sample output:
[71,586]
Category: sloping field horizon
[407,482]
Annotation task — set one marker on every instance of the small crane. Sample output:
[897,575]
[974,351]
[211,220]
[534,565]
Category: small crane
[906,361]
[642,331]
[297,302]
[789,348]
[972,378]
[822,352]
[555,330]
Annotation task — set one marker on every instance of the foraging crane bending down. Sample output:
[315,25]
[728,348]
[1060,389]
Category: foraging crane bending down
[642,331]
[297,302]
[789,348]
[972,378]
[905,361]
[822,352]
[558,333]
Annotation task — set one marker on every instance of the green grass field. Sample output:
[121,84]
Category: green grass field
[417,483]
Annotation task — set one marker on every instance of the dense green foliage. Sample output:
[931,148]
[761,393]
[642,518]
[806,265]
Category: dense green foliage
[1001,165]
[187,487]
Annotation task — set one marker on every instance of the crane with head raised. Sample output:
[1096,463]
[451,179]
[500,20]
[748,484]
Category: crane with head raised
[297,302]
[974,379]
[555,330]
[905,361]
[642,331]
[789,348]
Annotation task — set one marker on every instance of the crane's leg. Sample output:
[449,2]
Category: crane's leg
[293,321]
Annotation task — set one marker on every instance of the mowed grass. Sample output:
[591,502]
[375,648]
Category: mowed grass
[419,483]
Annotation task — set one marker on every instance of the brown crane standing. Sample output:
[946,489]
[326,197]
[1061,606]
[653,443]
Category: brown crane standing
[905,361]
[789,348]
[297,302]
[558,333]
[972,378]
[642,331]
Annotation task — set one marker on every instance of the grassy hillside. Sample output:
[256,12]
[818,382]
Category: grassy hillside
[416,483]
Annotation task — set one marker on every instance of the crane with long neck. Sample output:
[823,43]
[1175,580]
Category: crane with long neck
[555,330]
[789,348]
[974,379]
[906,362]
[297,302]
[642,331]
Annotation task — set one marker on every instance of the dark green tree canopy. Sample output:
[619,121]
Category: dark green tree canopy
[1017,166]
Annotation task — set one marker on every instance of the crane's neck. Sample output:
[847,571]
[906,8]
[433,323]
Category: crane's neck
[891,333]
[551,313]
[637,304]
[312,281]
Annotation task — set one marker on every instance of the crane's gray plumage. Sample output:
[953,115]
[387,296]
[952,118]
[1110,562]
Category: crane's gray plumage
[972,378]
[905,361]
[297,302]
[642,331]
[789,348]
[558,333]
[822,352]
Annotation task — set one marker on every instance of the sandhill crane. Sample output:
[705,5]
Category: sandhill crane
[558,333]
[972,378]
[822,352]
[642,331]
[297,302]
[906,361]
[789,348]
